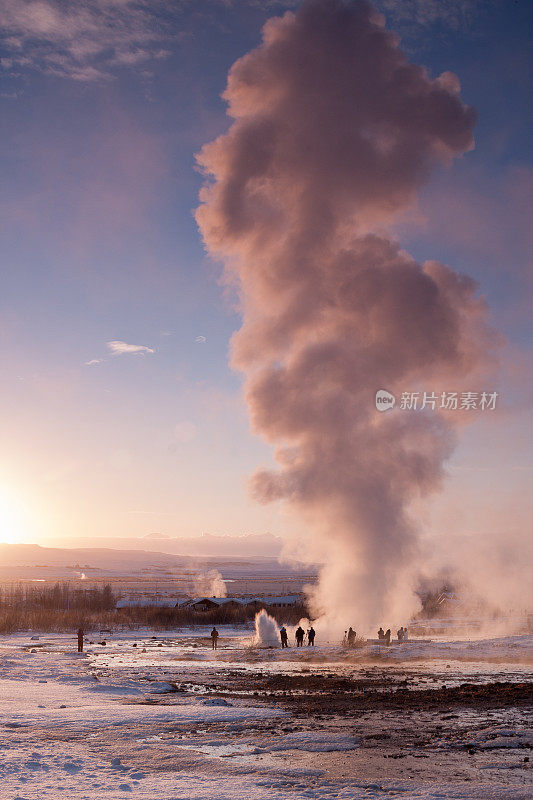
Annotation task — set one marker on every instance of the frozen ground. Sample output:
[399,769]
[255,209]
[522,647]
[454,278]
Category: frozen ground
[166,718]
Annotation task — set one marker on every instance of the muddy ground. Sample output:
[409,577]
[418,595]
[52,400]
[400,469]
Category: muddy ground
[469,733]
[332,695]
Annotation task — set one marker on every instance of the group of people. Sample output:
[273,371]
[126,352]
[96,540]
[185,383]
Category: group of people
[299,636]
[384,635]
[284,636]
[349,637]
[402,635]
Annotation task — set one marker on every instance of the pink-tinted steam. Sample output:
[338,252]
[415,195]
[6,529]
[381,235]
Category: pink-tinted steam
[334,132]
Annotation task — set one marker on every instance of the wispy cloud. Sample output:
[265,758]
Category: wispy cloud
[90,40]
[413,16]
[93,362]
[85,41]
[118,348]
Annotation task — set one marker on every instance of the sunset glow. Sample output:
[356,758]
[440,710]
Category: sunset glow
[12,529]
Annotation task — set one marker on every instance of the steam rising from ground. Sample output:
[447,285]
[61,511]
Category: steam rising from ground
[208,584]
[333,133]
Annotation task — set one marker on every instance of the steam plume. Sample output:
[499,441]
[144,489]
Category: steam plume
[208,584]
[333,133]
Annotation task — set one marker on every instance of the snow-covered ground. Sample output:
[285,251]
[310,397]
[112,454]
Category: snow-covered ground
[110,723]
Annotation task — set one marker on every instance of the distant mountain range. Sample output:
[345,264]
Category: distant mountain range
[250,545]
[34,562]
[33,555]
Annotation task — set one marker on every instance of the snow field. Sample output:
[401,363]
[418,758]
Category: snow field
[109,724]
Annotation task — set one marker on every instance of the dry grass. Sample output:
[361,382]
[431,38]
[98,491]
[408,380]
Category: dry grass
[50,620]
[60,609]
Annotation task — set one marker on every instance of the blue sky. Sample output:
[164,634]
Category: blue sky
[104,105]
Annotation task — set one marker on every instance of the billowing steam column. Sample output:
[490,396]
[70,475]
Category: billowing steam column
[333,133]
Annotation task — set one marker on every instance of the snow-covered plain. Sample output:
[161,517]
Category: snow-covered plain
[110,723]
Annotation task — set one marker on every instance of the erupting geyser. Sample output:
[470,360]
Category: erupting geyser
[333,133]
[266,630]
